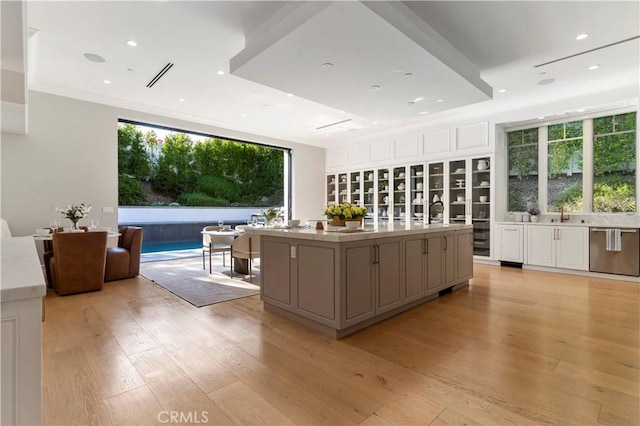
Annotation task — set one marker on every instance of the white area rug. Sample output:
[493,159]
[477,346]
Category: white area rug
[186,279]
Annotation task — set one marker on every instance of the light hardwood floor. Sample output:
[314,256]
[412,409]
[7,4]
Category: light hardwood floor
[515,347]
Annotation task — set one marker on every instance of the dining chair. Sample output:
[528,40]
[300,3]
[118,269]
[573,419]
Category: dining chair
[78,262]
[246,246]
[215,244]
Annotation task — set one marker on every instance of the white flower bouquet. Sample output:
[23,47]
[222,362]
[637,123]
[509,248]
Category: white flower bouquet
[74,213]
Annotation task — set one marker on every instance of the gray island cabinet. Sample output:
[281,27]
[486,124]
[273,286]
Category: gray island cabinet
[340,282]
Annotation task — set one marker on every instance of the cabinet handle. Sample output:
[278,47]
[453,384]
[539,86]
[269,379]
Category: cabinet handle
[445,243]
[376,254]
[425,246]
[558,230]
[510,229]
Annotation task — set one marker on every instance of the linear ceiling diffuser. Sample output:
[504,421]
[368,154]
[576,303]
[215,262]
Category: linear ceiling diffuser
[158,76]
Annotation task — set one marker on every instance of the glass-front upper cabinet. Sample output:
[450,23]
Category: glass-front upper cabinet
[343,191]
[417,180]
[458,201]
[436,191]
[481,205]
[368,193]
[384,200]
[399,193]
[331,189]
[355,188]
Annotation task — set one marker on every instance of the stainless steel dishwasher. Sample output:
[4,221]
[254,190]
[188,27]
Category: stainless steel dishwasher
[623,262]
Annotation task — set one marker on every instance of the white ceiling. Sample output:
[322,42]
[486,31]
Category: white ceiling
[502,41]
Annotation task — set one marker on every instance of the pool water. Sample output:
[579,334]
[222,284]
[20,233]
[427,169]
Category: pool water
[156,246]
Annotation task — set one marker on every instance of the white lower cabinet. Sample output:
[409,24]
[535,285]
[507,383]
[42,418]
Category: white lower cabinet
[558,246]
[511,243]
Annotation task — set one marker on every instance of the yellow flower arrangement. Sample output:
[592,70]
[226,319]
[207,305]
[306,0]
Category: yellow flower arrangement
[344,211]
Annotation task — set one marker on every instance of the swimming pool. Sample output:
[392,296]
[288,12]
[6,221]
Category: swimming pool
[155,246]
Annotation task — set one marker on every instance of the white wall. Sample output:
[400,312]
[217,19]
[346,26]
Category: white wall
[70,156]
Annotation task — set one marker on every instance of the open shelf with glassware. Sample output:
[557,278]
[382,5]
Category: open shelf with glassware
[385,196]
[369,194]
[417,181]
[399,194]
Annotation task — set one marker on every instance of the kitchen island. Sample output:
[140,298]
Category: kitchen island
[338,282]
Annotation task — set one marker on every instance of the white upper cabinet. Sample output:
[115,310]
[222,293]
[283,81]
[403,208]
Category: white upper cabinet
[418,146]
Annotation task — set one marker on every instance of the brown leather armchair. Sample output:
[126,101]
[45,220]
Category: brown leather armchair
[124,261]
[78,262]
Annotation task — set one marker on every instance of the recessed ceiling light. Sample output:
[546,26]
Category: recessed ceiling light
[423,112]
[582,36]
[132,43]
[327,65]
[418,99]
[594,67]
[375,122]
[94,58]
[541,118]
[130,69]
[502,90]
[374,88]
[106,81]
[289,95]
[440,100]
[408,74]
[220,72]
[341,112]
[181,100]
[411,102]
[244,115]
[546,81]
[581,110]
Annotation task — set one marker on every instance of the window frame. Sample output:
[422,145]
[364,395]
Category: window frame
[588,141]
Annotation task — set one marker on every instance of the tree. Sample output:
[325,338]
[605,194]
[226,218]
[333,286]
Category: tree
[133,158]
[174,173]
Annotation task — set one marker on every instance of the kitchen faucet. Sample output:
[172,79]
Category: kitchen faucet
[433,204]
[563,217]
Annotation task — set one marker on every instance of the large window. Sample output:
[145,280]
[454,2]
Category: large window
[160,167]
[614,163]
[523,168]
[564,170]
[609,180]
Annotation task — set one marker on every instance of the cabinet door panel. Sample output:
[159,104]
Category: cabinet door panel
[434,265]
[389,275]
[449,252]
[511,243]
[541,247]
[358,283]
[572,248]
[464,250]
[316,281]
[276,281]
[414,268]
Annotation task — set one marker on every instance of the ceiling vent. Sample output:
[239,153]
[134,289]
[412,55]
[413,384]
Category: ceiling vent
[587,51]
[333,124]
[161,74]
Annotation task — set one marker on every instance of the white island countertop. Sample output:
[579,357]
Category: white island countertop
[368,232]
[22,276]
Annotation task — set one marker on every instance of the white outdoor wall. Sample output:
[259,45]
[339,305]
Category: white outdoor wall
[70,156]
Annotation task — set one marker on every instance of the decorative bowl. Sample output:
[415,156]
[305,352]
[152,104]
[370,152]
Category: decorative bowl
[352,224]
[419,215]
[294,223]
[43,231]
[419,173]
